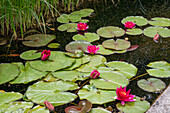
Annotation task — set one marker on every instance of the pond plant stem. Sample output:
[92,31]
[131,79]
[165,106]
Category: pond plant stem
[82,85]
[138,76]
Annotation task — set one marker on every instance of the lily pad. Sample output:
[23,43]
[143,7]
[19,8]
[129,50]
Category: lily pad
[99,110]
[39,109]
[30,55]
[139,20]
[158,21]
[151,84]
[128,70]
[77,45]
[6,97]
[38,40]
[49,78]
[110,32]
[54,92]
[53,45]
[160,69]
[58,60]
[134,107]
[8,72]
[119,44]
[90,37]
[83,12]
[96,96]
[152,31]
[27,74]
[64,18]
[69,27]
[104,51]
[134,31]
[16,107]
[110,80]
[84,21]
[74,18]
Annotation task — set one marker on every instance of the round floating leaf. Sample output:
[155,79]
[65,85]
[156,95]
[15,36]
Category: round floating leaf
[97,96]
[49,78]
[54,92]
[76,64]
[99,110]
[134,31]
[161,69]
[110,80]
[16,107]
[6,97]
[70,27]
[27,74]
[74,18]
[53,45]
[152,31]
[39,109]
[58,60]
[8,72]
[158,21]
[151,84]
[83,12]
[77,45]
[104,51]
[30,55]
[90,37]
[134,107]
[120,44]
[124,68]
[139,20]
[64,18]
[110,32]
[38,40]
[84,21]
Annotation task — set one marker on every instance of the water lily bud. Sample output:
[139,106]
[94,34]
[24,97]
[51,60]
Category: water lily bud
[49,106]
[129,25]
[92,49]
[45,54]
[82,26]
[94,74]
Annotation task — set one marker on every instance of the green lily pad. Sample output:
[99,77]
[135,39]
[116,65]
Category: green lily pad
[30,55]
[64,18]
[96,96]
[128,70]
[53,45]
[104,51]
[110,32]
[70,75]
[74,18]
[6,97]
[158,21]
[49,78]
[76,64]
[16,107]
[90,37]
[152,31]
[69,27]
[151,84]
[119,44]
[77,45]
[110,80]
[39,109]
[54,92]
[83,12]
[8,72]
[139,20]
[58,60]
[27,74]
[160,69]
[99,110]
[84,21]
[134,31]
[134,107]
[38,40]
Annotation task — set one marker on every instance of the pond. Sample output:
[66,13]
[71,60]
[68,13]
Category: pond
[106,14]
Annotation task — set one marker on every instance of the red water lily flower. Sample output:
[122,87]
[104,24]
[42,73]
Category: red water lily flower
[45,54]
[92,49]
[94,74]
[82,26]
[129,25]
[156,38]
[124,95]
[49,106]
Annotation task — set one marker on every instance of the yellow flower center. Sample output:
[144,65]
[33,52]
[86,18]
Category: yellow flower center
[123,93]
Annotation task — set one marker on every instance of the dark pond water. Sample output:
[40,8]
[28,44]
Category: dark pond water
[109,14]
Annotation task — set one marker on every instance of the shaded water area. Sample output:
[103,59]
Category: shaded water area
[109,14]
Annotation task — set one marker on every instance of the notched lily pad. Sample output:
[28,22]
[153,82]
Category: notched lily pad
[134,31]
[110,32]
[151,84]
[119,44]
[69,27]
[39,109]
[64,18]
[53,45]
[99,110]
[105,51]
[38,40]
[83,12]
[139,20]
[30,55]
[159,21]
[90,37]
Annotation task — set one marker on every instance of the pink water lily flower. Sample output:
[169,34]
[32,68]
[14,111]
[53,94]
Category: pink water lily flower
[124,95]
[45,54]
[129,25]
[92,49]
[82,26]
[49,106]
[156,38]
[94,74]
